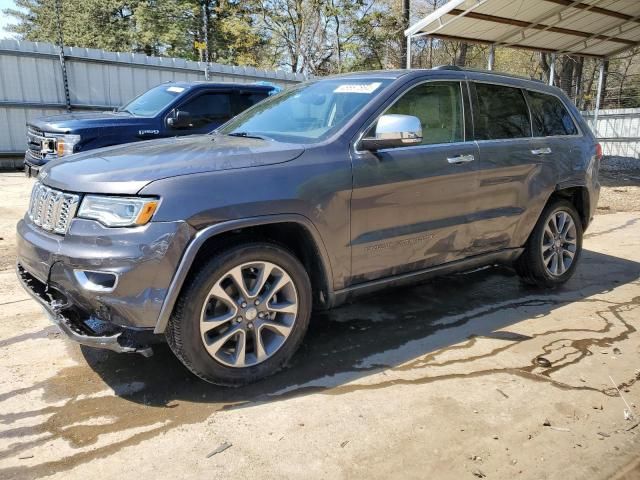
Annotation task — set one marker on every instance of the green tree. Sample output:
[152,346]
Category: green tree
[166,27]
[154,27]
[105,24]
[235,38]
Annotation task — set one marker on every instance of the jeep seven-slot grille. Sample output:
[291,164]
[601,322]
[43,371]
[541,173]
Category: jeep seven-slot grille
[51,209]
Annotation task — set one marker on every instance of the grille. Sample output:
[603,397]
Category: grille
[38,155]
[39,145]
[34,131]
[51,209]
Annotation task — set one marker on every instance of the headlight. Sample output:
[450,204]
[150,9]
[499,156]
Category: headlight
[65,143]
[118,211]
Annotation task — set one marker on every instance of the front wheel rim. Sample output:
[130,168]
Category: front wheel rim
[249,314]
[559,243]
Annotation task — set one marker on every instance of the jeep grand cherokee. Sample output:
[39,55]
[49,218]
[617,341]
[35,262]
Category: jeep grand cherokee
[224,243]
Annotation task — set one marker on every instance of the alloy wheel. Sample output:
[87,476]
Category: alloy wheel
[249,314]
[559,243]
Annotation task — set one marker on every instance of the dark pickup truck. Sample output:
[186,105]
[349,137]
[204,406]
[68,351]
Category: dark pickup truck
[168,110]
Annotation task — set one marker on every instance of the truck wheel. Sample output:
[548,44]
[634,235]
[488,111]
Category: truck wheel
[242,315]
[554,247]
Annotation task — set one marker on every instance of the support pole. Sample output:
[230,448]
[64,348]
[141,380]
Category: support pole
[492,56]
[63,65]
[552,69]
[408,52]
[406,20]
[598,95]
[205,21]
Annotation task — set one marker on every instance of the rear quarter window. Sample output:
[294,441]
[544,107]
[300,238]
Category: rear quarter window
[550,116]
[502,113]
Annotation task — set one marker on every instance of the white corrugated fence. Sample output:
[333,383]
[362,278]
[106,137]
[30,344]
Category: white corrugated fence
[618,130]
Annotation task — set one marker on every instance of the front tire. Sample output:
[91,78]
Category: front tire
[554,247]
[243,315]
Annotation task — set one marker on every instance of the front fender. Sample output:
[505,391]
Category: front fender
[205,234]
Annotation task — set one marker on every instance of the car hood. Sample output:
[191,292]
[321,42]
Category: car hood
[77,122]
[125,169]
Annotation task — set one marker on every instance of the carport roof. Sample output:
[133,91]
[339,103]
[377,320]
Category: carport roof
[597,28]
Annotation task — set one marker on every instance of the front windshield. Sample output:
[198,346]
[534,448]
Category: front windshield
[308,113]
[153,101]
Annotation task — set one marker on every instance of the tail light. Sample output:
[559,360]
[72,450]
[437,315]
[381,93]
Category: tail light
[598,151]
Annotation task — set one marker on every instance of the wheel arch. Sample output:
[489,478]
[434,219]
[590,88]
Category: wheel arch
[293,231]
[578,195]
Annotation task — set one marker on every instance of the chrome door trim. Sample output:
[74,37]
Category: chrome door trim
[458,159]
[541,151]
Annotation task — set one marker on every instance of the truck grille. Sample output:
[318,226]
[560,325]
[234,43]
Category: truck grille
[51,209]
[39,145]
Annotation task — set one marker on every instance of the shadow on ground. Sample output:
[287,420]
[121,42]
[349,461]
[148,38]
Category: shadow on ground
[379,332]
[339,341]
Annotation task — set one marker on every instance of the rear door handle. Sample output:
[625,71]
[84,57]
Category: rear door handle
[541,151]
[461,159]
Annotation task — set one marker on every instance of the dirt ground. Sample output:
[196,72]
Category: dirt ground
[620,192]
[470,376]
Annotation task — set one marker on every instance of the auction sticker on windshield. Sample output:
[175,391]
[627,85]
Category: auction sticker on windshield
[175,89]
[357,88]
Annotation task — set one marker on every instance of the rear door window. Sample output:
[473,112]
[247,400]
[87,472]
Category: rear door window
[550,116]
[438,106]
[502,113]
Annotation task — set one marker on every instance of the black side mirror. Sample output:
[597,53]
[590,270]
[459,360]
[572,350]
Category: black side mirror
[181,119]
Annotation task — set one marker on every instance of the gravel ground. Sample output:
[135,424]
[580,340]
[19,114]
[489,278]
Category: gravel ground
[471,376]
[620,164]
[620,187]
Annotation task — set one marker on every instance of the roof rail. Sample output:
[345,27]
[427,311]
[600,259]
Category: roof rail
[490,72]
[503,74]
[448,67]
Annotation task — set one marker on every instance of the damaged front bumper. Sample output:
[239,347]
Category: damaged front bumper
[104,287]
[88,331]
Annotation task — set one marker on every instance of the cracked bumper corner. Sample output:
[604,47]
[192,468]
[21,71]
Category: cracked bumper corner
[85,331]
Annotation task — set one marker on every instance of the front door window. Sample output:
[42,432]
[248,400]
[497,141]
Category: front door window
[438,106]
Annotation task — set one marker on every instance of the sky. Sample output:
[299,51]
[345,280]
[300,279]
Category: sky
[4,20]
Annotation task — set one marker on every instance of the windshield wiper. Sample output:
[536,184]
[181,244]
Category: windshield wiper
[247,135]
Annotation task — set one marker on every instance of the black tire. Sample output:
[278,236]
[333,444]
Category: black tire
[183,331]
[530,265]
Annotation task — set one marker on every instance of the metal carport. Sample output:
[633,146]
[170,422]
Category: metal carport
[591,28]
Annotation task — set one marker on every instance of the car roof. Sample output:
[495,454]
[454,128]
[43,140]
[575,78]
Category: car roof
[452,71]
[371,74]
[222,85]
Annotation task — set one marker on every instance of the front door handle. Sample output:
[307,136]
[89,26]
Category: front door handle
[461,159]
[541,151]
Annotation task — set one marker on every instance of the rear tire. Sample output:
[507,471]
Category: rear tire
[554,247]
[243,315]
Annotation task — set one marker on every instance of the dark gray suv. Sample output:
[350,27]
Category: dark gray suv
[223,243]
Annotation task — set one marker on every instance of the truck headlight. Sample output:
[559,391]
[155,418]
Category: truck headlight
[118,211]
[65,143]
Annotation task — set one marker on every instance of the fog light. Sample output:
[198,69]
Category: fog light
[96,281]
